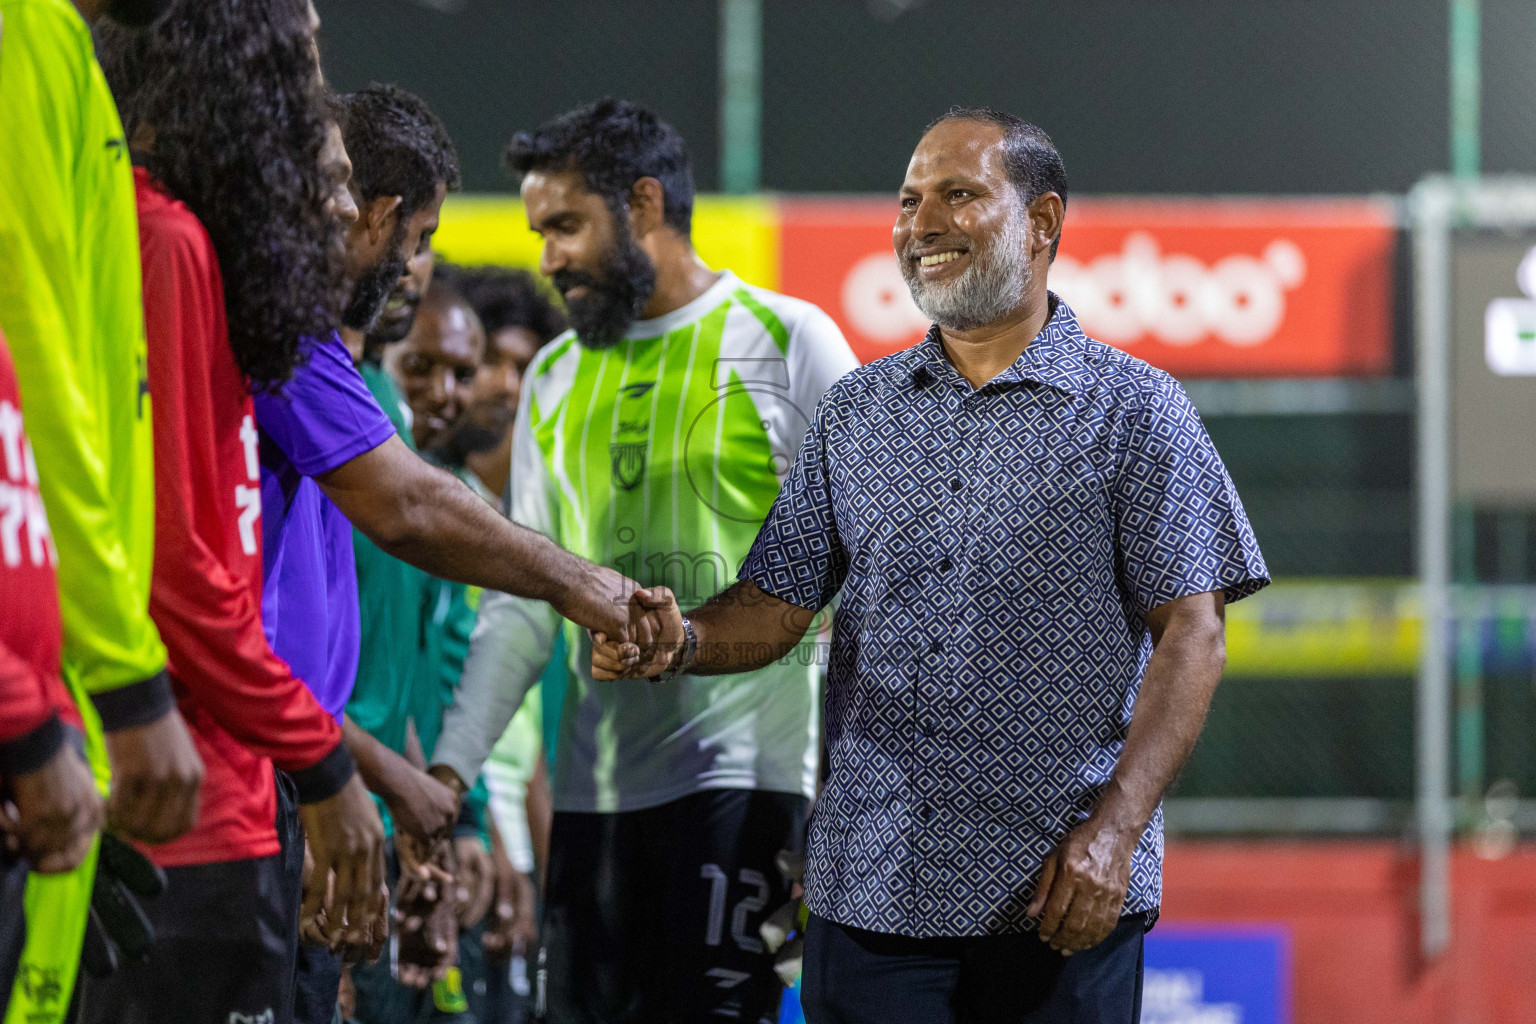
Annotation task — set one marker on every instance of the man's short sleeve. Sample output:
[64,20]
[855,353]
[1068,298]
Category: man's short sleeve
[1180,526]
[325,416]
[798,556]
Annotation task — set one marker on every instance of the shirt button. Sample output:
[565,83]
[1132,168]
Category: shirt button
[937,647]
[946,565]
[924,812]
[955,484]
[927,727]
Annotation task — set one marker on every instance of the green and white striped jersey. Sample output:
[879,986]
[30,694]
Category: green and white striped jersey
[659,457]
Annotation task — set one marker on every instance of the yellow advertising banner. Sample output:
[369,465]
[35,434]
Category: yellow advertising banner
[1326,627]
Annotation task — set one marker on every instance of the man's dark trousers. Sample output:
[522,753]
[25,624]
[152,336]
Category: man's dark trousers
[854,976]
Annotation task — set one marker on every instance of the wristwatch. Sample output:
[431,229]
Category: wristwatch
[685,659]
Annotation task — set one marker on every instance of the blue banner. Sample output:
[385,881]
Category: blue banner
[1217,974]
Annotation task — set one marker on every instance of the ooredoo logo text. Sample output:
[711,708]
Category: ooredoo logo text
[1142,291]
[1120,297]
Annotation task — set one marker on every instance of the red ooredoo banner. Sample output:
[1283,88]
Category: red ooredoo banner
[1200,288]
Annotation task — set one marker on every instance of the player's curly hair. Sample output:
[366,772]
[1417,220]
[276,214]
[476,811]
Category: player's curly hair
[230,94]
[504,298]
[613,143]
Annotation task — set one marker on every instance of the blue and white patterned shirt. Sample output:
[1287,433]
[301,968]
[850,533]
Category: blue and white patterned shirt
[997,549]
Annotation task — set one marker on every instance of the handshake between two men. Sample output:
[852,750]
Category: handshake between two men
[738,630]
[651,643]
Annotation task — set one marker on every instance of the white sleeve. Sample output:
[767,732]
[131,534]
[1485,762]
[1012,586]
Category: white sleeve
[509,811]
[818,355]
[514,636]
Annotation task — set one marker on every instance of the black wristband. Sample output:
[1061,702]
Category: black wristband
[33,749]
[135,704]
[326,777]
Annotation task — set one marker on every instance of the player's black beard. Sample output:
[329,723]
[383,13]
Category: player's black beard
[396,321]
[372,290]
[985,292]
[614,299]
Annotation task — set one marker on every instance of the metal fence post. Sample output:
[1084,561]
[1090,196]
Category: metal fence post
[1466,87]
[741,95]
[1431,210]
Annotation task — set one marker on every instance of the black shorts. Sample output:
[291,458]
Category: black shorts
[225,938]
[651,916]
[226,935]
[507,986]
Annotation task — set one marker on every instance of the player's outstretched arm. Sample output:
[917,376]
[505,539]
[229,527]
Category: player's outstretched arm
[1083,883]
[739,629]
[429,518]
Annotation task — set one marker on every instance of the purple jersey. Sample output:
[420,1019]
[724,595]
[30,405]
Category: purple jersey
[322,419]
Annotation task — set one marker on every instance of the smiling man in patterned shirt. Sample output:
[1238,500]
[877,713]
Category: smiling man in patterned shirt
[1035,540]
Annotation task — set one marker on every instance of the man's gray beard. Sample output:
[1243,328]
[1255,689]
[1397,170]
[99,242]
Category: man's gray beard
[986,292]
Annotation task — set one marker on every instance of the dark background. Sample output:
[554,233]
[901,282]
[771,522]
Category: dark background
[1194,96]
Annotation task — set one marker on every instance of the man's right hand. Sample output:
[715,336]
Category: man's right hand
[157,779]
[423,807]
[346,837]
[659,608]
[58,813]
[448,777]
[602,601]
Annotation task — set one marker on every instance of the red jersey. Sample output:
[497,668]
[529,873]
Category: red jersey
[242,703]
[33,701]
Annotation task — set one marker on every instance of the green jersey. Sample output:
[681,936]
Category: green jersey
[448,619]
[659,457]
[391,596]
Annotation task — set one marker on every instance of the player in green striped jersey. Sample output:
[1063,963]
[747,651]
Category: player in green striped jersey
[653,438]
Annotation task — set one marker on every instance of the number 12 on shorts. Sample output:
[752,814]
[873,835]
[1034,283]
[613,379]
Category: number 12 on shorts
[750,904]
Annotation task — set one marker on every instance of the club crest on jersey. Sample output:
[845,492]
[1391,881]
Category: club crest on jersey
[628,458]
